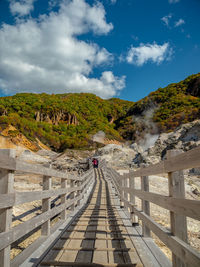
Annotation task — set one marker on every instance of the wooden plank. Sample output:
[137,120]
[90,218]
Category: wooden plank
[46,206]
[144,254]
[95,238]
[150,170]
[63,214]
[20,230]
[178,222]
[161,257]
[56,231]
[18,165]
[6,186]
[27,251]
[7,200]
[145,205]
[179,247]
[185,207]
[17,198]
[134,218]
[187,160]
[83,264]
[94,249]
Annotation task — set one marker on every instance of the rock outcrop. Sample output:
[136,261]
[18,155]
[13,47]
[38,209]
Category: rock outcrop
[184,138]
[194,87]
[55,118]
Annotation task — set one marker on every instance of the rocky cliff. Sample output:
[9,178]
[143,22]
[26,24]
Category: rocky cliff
[55,118]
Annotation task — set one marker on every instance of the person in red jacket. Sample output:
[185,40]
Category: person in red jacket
[95,163]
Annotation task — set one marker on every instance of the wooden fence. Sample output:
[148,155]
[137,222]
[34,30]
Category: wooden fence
[71,191]
[180,208]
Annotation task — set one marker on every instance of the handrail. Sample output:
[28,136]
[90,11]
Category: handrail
[179,207]
[71,195]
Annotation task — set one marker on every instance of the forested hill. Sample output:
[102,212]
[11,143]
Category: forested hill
[63,120]
[70,120]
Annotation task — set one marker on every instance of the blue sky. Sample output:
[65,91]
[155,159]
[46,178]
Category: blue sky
[113,48]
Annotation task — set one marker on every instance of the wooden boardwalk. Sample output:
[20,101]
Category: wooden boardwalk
[97,237]
[96,218]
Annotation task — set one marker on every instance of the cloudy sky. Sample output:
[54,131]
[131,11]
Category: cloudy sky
[123,48]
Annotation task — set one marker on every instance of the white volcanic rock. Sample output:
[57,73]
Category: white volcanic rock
[184,138]
[116,155]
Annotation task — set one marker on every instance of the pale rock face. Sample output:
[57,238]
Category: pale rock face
[184,138]
[116,155]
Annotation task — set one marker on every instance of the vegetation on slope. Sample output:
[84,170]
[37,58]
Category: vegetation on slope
[50,117]
[70,120]
[165,109]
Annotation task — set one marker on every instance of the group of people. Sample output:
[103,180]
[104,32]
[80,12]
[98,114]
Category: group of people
[95,163]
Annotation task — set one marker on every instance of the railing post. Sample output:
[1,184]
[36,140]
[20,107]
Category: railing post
[145,205]
[78,193]
[125,178]
[6,186]
[63,214]
[134,218]
[121,183]
[178,222]
[72,195]
[46,204]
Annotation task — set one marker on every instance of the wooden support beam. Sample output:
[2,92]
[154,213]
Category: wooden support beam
[46,205]
[72,195]
[134,217]
[145,205]
[6,187]
[63,214]
[178,222]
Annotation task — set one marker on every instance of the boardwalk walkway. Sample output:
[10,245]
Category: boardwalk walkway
[98,237]
[95,222]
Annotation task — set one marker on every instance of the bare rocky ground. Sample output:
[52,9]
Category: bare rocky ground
[122,158]
[133,157]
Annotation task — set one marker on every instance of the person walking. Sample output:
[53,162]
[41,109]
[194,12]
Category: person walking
[95,163]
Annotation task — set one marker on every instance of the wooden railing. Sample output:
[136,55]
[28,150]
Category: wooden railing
[71,190]
[176,238]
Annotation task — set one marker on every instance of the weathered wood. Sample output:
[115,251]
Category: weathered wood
[63,199]
[134,218]
[145,205]
[27,251]
[186,160]
[6,186]
[83,264]
[20,230]
[179,247]
[18,165]
[150,170]
[187,207]
[126,184]
[45,229]
[178,222]
[17,198]
[7,200]
[94,249]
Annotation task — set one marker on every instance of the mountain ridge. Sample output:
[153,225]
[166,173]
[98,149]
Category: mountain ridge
[70,120]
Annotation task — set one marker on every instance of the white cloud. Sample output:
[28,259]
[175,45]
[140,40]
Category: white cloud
[21,7]
[149,52]
[173,1]
[179,23]
[166,19]
[45,55]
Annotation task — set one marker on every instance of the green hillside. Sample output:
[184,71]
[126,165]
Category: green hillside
[165,109]
[70,120]
[62,121]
